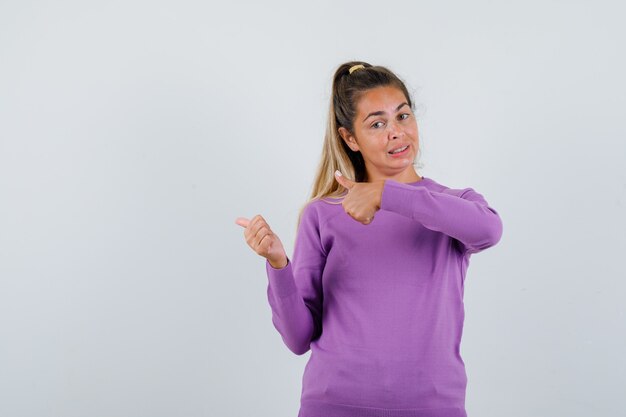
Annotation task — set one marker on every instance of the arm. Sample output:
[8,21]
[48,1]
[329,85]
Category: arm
[462,214]
[295,291]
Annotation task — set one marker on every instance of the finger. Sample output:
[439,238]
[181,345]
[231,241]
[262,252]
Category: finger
[242,221]
[257,225]
[261,232]
[255,222]
[264,242]
[253,227]
[345,182]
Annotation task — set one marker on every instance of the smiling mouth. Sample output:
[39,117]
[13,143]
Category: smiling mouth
[400,150]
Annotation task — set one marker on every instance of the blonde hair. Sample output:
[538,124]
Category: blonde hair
[347,89]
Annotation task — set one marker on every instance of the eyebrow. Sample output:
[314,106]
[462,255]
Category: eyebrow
[380,112]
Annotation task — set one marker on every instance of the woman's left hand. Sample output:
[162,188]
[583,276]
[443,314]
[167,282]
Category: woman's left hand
[363,199]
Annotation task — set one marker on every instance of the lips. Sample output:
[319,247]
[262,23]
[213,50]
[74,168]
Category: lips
[398,147]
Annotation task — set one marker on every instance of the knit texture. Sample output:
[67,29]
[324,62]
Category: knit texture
[380,306]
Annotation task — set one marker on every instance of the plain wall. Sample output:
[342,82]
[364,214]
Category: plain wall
[133,133]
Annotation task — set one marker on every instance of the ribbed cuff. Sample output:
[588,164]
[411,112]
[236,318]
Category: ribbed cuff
[401,198]
[319,408]
[281,280]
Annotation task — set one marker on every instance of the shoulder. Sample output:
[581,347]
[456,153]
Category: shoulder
[320,210]
[441,188]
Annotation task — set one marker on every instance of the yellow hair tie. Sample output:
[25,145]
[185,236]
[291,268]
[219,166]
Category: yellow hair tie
[356,67]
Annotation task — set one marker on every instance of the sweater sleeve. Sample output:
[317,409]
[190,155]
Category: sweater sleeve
[295,291]
[463,214]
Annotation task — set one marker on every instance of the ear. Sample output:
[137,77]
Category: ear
[349,139]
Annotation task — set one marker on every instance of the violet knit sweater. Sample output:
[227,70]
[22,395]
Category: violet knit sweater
[380,306]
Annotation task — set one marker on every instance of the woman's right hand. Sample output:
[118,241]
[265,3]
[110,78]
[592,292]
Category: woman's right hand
[263,241]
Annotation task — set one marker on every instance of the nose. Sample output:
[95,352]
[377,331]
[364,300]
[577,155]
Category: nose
[395,130]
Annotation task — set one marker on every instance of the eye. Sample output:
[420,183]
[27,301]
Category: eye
[375,125]
[404,114]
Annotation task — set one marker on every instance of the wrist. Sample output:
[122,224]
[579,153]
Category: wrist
[379,194]
[278,263]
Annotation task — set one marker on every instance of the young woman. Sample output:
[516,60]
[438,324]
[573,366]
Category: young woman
[375,285]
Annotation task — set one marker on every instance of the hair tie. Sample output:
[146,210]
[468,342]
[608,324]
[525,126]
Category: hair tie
[356,67]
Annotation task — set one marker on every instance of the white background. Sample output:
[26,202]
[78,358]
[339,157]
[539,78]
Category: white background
[133,133]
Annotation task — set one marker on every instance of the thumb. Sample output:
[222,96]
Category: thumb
[347,183]
[242,221]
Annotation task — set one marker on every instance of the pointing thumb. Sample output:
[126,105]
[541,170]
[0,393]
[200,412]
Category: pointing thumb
[242,221]
[343,180]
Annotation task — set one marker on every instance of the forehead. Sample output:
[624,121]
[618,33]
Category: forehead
[380,98]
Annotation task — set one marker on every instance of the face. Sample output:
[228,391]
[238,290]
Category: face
[384,122]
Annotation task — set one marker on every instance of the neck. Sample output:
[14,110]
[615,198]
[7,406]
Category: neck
[403,177]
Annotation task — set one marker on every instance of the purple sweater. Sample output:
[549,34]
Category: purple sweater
[380,306]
